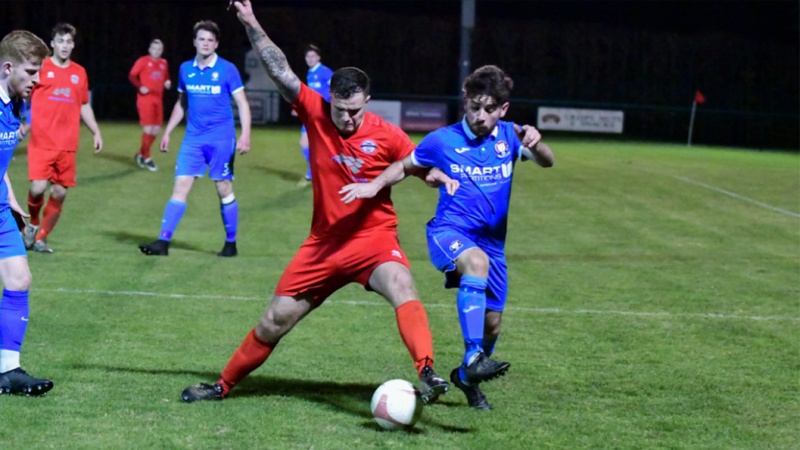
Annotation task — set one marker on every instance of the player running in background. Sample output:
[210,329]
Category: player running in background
[348,243]
[21,56]
[60,100]
[205,86]
[466,238]
[318,79]
[150,75]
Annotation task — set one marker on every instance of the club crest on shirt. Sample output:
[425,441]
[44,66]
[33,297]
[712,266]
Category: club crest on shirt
[501,148]
[74,79]
[214,76]
[455,246]
[369,147]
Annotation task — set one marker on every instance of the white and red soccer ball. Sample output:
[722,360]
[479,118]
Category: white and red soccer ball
[396,405]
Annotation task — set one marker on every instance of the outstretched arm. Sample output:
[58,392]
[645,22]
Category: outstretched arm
[394,174]
[272,57]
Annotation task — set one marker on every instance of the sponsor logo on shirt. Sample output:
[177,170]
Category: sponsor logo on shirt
[203,89]
[74,79]
[501,148]
[461,150]
[353,163]
[483,174]
[191,75]
[50,74]
[369,147]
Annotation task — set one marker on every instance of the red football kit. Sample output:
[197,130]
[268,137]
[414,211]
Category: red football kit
[152,74]
[347,241]
[55,122]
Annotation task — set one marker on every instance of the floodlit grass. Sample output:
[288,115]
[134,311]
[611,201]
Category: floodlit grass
[654,303]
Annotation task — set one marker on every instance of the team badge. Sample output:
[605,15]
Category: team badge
[455,246]
[501,148]
[214,76]
[369,147]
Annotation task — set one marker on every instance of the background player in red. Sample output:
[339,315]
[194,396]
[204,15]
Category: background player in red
[59,102]
[150,75]
[354,242]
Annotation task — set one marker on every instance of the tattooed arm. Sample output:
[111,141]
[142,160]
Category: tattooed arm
[271,56]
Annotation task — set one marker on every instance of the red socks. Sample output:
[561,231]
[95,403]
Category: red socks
[247,358]
[34,207]
[416,333]
[52,212]
[147,142]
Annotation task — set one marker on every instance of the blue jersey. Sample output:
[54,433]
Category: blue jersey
[483,167]
[10,112]
[208,92]
[319,79]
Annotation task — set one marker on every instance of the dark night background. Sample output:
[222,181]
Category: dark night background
[644,57]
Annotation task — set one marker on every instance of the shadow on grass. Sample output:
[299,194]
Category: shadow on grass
[352,398]
[137,239]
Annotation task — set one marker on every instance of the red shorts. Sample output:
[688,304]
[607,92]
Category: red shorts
[323,266]
[151,110]
[56,166]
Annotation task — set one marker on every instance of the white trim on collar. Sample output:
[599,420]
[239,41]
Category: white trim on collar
[211,64]
[4,96]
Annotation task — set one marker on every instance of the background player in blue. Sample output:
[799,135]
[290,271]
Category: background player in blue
[21,56]
[318,79]
[466,238]
[205,87]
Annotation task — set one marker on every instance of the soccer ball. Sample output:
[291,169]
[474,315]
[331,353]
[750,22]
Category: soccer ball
[396,405]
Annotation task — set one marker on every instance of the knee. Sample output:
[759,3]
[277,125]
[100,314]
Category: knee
[58,192]
[273,325]
[403,285]
[18,281]
[475,263]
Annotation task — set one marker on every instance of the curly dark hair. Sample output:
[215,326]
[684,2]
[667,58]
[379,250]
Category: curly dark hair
[488,80]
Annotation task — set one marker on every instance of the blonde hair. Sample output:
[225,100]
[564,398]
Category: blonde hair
[21,45]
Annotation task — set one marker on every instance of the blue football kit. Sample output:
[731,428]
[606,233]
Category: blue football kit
[10,239]
[476,216]
[210,139]
[14,307]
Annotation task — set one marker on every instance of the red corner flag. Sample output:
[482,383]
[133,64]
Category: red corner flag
[699,97]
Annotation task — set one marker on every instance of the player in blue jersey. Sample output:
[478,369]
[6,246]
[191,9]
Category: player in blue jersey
[466,238]
[21,56]
[205,86]
[318,79]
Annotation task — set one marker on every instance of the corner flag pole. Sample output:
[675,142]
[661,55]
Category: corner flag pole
[699,98]
[691,123]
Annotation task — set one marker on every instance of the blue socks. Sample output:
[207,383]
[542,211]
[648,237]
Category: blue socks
[230,218]
[471,303]
[172,215]
[308,160]
[13,319]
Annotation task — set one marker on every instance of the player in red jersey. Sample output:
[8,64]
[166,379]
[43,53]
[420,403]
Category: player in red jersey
[355,242]
[60,100]
[150,75]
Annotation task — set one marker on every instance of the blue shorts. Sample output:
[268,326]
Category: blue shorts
[303,130]
[446,244]
[10,238]
[217,156]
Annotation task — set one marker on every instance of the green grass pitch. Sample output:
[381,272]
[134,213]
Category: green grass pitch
[654,303]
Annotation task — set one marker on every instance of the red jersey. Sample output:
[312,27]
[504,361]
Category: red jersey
[56,106]
[337,161]
[150,73]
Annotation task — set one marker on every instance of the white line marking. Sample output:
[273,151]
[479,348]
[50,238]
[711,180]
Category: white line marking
[726,192]
[435,305]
